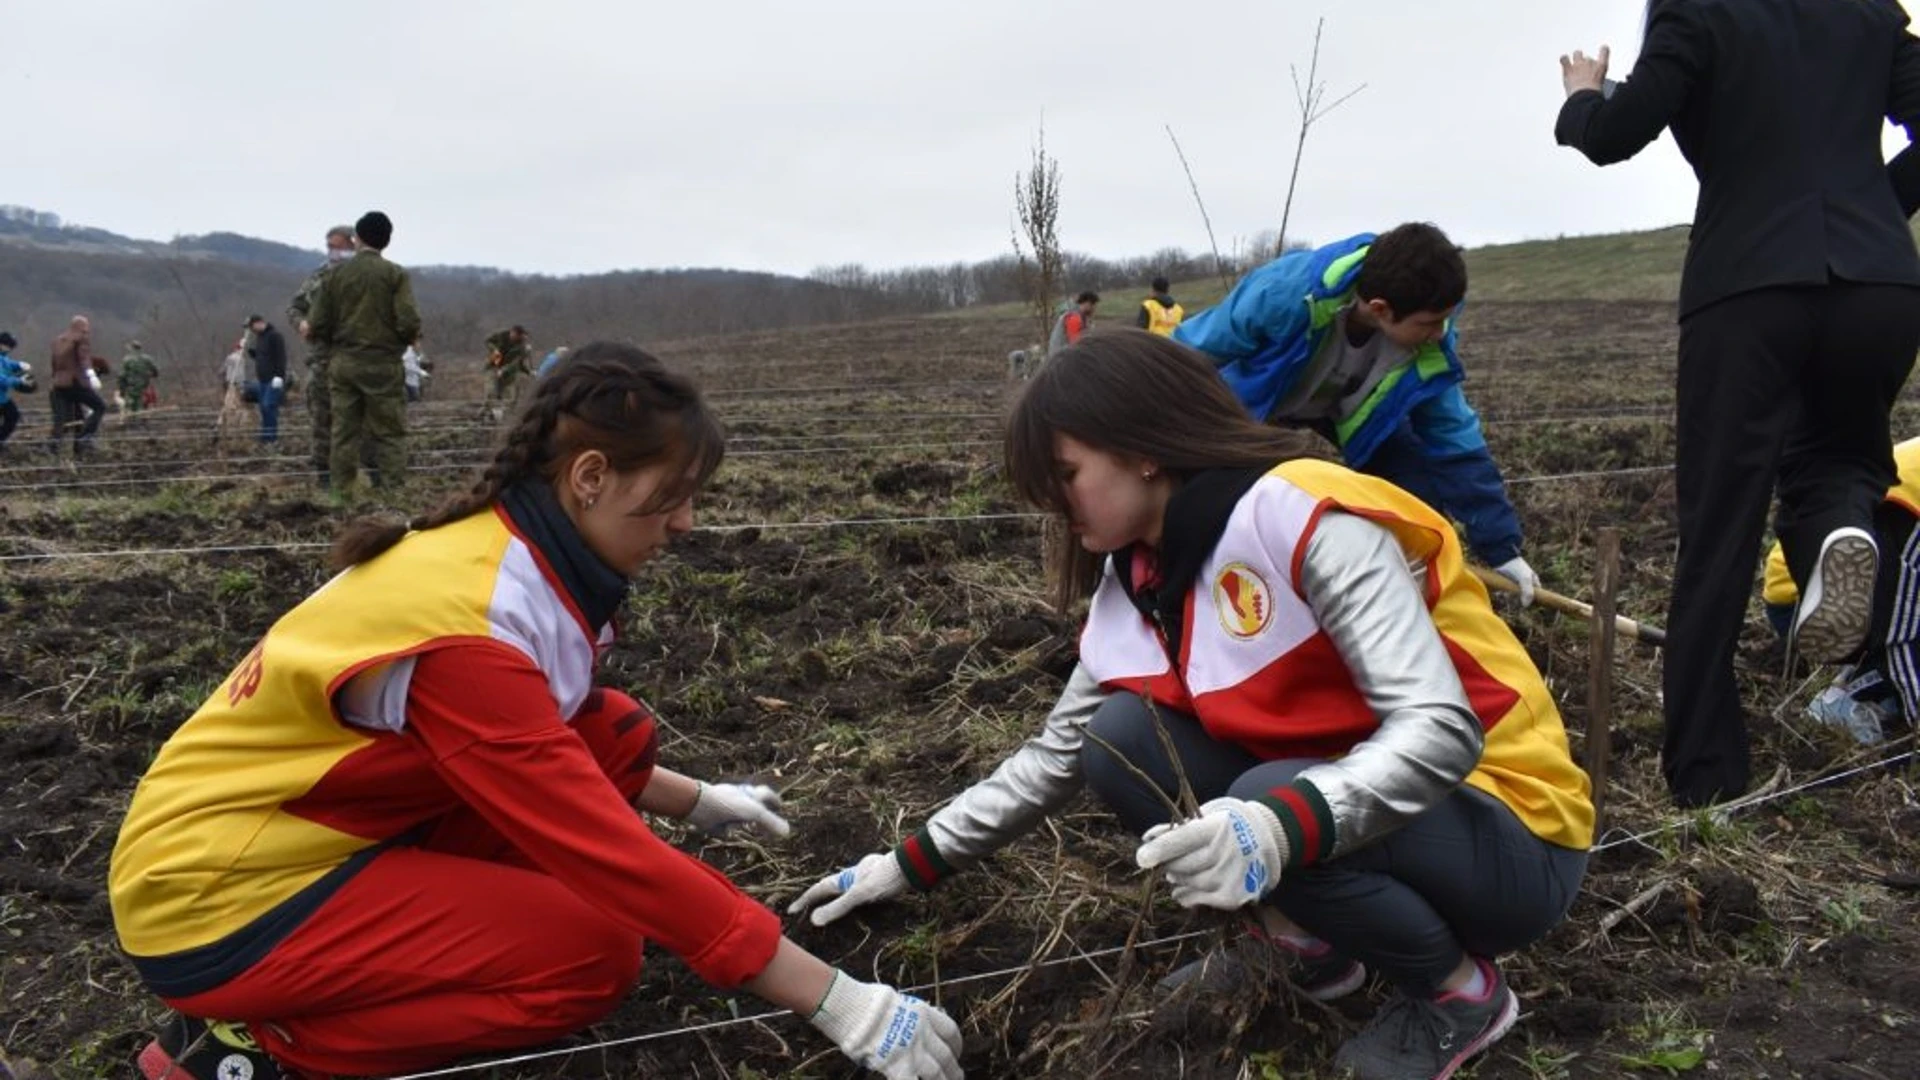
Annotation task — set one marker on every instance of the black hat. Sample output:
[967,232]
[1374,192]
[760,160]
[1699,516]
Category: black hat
[374,229]
[251,319]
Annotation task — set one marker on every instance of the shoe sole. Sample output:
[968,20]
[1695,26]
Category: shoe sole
[1837,625]
[1502,1023]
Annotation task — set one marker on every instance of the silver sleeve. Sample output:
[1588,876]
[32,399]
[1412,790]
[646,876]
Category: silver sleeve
[1039,778]
[1368,600]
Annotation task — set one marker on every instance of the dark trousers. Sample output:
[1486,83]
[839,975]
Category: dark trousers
[76,405]
[270,412]
[1466,877]
[1788,385]
[9,419]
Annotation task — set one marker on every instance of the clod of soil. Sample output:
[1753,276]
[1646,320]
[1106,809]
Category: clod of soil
[1015,634]
[916,476]
[1729,904]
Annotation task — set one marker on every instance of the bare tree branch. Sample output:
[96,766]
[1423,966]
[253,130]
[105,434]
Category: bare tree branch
[1219,264]
[1311,111]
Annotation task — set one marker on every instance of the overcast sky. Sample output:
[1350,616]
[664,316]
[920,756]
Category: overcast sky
[567,136]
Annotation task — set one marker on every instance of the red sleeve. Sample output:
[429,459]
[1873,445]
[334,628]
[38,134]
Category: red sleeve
[486,719]
[1076,325]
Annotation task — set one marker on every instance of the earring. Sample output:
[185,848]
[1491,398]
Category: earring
[591,499]
[1146,474]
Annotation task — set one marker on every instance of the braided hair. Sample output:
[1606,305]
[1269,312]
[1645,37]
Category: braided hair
[614,398]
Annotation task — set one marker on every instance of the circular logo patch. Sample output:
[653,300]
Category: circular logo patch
[234,1067]
[1243,600]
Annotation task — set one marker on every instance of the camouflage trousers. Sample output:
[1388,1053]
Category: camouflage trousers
[320,409]
[369,404]
[503,385]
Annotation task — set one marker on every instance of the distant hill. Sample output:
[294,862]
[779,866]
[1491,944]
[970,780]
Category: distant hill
[186,298]
[22,226]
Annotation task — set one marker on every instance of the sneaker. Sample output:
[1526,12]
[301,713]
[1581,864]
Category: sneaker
[193,1049]
[1836,609]
[1254,961]
[1429,1038]
[1862,704]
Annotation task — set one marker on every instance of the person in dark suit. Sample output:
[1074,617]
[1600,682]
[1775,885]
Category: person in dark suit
[1799,319]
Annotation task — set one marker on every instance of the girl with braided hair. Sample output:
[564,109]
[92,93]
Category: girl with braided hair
[404,829]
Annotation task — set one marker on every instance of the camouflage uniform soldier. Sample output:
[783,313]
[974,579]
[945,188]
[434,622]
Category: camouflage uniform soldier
[509,357]
[138,373]
[365,317]
[319,401]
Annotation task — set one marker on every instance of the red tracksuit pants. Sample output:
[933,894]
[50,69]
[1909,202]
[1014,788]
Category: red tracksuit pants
[454,947]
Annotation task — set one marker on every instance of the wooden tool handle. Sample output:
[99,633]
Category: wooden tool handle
[1547,598]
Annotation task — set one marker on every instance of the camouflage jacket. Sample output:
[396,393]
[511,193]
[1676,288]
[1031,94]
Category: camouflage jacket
[364,307]
[300,308]
[137,372]
[511,355]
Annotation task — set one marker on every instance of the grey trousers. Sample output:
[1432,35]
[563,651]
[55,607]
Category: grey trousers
[1466,877]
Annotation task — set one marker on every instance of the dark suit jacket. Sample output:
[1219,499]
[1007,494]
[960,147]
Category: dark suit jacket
[1778,105]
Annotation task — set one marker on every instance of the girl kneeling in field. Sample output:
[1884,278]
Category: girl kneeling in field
[1382,768]
[404,830]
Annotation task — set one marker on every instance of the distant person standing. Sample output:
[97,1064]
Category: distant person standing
[1799,319]
[1160,313]
[138,373]
[233,377]
[77,407]
[1073,323]
[415,365]
[365,317]
[319,400]
[14,375]
[270,371]
[508,357]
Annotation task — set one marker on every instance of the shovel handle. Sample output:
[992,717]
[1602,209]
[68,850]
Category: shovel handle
[1547,598]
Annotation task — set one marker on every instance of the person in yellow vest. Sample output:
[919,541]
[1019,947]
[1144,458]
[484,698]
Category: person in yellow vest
[404,830]
[1877,692]
[1160,313]
[1382,772]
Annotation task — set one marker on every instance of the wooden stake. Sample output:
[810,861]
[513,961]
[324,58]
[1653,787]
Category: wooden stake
[1606,583]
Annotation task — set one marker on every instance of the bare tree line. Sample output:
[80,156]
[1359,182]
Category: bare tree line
[188,312]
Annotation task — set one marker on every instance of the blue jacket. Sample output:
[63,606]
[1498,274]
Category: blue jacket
[10,377]
[1415,430]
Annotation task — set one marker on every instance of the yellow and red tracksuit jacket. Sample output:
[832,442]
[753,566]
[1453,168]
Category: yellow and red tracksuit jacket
[308,761]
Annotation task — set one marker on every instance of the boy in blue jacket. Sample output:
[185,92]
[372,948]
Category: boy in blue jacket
[1357,340]
[14,375]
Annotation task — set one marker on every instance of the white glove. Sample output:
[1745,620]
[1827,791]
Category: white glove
[1226,858]
[719,807]
[896,1035]
[869,881]
[1517,571]
[279,383]
[25,368]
